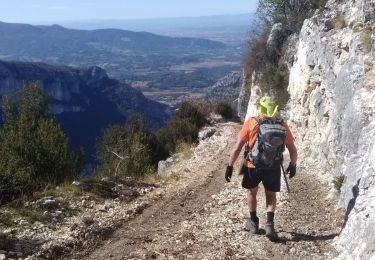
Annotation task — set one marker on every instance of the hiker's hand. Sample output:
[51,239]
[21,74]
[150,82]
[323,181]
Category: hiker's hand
[291,170]
[228,173]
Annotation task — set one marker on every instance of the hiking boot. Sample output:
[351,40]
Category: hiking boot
[270,231]
[251,226]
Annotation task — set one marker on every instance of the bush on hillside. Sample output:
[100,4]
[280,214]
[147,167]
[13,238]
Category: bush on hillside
[182,128]
[274,80]
[204,107]
[34,153]
[256,54]
[270,76]
[225,110]
[129,151]
[132,151]
[176,132]
[288,12]
[191,113]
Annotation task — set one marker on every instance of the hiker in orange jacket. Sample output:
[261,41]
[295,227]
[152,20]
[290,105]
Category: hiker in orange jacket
[261,164]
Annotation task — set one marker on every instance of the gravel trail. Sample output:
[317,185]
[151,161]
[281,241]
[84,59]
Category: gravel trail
[200,216]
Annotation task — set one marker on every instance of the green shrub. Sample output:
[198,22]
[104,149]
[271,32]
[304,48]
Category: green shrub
[225,110]
[274,81]
[366,38]
[256,54]
[132,151]
[178,130]
[338,182]
[129,151]
[290,13]
[34,153]
[182,128]
[204,107]
[190,113]
[272,77]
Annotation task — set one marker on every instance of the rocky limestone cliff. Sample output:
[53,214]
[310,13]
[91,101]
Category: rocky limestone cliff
[331,112]
[83,100]
[226,88]
[243,99]
[61,83]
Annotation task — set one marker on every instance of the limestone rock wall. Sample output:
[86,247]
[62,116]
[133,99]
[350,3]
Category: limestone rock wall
[332,111]
[243,98]
[226,89]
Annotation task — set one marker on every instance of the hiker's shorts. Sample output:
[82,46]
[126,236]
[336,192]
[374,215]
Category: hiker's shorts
[270,178]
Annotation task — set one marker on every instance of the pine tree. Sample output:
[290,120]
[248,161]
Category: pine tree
[34,152]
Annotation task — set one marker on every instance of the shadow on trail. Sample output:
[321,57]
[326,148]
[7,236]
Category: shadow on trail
[351,203]
[297,237]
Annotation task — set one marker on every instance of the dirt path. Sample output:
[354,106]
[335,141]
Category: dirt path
[202,217]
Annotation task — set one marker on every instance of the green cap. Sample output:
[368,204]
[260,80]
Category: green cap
[267,107]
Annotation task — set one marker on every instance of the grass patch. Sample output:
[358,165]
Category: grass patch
[29,209]
[339,22]
[338,182]
[6,218]
[185,149]
[66,191]
[33,215]
[366,39]
[10,215]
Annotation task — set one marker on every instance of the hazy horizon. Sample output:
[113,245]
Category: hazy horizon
[232,18]
[45,11]
[140,19]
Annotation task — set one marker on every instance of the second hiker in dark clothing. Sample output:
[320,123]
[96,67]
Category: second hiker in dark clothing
[265,138]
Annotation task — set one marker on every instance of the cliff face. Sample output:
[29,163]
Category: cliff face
[332,113]
[332,108]
[226,88]
[61,83]
[84,100]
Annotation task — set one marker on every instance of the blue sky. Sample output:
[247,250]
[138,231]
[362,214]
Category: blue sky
[31,11]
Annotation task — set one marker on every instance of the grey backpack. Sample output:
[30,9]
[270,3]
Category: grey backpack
[269,145]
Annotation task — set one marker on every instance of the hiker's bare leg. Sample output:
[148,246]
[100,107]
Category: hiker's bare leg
[252,199]
[270,201]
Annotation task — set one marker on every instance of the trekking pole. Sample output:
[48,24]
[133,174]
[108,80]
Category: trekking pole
[286,181]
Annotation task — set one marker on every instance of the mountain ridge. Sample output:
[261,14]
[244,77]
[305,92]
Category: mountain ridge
[135,41]
[126,55]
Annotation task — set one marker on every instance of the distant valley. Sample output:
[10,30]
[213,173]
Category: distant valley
[151,63]
[96,77]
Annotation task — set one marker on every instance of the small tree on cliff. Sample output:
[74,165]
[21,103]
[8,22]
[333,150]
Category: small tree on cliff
[34,153]
[290,13]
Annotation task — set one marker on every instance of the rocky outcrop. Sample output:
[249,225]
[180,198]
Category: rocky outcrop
[255,94]
[61,83]
[331,112]
[226,88]
[83,100]
[243,98]
[275,41]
